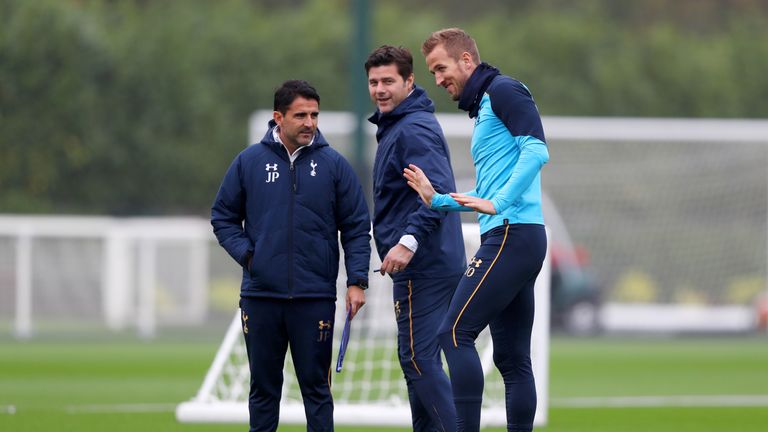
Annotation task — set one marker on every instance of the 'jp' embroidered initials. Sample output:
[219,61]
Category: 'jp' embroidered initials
[272,174]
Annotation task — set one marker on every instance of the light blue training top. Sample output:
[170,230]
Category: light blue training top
[508,151]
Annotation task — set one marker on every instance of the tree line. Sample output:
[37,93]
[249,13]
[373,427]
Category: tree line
[137,107]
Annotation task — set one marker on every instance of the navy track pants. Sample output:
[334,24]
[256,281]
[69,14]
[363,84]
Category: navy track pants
[497,291]
[270,326]
[420,307]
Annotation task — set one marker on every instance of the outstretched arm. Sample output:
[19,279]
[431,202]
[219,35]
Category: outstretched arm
[475,203]
[419,182]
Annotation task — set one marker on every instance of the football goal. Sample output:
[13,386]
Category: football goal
[370,390]
[670,211]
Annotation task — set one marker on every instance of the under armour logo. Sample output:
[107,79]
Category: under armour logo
[325,333]
[245,323]
[397,308]
[272,173]
[313,165]
[471,270]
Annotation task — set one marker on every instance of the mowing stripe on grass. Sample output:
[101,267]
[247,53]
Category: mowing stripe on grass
[661,401]
[120,408]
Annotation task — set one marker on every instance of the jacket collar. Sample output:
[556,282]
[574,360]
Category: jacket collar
[269,140]
[416,101]
[475,88]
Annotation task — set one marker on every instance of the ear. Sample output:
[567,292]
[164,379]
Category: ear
[277,116]
[466,60]
[409,82]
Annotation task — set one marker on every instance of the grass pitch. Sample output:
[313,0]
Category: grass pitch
[596,385]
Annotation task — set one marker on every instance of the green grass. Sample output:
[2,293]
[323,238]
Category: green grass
[63,386]
[638,367]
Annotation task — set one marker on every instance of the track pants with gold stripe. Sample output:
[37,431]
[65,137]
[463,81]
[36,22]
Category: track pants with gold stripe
[420,306]
[497,291]
[270,326]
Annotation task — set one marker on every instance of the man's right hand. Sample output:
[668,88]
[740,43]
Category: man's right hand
[396,260]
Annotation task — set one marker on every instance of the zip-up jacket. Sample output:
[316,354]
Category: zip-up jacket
[288,216]
[508,149]
[410,134]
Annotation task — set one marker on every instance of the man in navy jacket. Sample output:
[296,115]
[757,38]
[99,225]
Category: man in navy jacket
[422,249]
[278,213]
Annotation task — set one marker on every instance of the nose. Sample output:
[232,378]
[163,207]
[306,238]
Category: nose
[439,79]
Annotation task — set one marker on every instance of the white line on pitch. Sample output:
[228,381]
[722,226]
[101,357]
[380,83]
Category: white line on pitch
[661,401]
[572,402]
[119,408]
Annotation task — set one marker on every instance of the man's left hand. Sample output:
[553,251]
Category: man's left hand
[355,299]
[480,205]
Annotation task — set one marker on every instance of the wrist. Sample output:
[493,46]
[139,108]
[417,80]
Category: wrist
[409,241]
[360,283]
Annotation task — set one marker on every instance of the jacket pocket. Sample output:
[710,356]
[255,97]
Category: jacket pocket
[260,255]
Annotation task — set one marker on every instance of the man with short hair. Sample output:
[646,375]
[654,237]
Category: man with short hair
[278,213]
[508,150]
[421,249]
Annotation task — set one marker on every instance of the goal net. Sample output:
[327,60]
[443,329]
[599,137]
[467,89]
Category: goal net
[672,212]
[370,390]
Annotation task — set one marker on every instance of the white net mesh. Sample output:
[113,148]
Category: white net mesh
[670,211]
[685,220]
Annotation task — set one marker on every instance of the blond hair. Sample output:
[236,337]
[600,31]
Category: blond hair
[455,41]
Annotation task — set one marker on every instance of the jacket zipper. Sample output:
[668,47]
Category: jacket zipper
[290,232]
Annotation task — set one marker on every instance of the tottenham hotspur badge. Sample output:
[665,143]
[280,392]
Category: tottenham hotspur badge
[313,165]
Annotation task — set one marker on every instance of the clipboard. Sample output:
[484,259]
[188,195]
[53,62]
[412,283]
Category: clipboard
[344,341]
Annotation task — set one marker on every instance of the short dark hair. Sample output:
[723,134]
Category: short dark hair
[387,55]
[290,90]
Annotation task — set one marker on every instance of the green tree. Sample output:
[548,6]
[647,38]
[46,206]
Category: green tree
[137,107]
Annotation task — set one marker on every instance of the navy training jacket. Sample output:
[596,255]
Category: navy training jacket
[411,134]
[288,217]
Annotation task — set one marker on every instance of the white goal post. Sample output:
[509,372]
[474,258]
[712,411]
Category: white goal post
[370,390]
[93,273]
